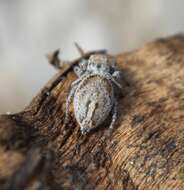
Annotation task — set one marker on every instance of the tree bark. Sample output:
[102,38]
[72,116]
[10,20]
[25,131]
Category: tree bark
[144,151]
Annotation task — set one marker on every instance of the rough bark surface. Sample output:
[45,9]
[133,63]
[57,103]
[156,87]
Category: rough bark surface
[145,150]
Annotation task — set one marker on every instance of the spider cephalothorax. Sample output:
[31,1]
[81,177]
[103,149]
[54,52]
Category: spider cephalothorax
[93,93]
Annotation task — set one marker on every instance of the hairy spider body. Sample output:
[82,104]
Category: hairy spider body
[93,93]
[92,102]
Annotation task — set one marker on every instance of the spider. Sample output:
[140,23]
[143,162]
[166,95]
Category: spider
[94,92]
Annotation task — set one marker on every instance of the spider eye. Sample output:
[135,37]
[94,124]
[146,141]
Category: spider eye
[98,66]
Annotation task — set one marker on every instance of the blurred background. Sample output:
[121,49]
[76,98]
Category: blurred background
[31,29]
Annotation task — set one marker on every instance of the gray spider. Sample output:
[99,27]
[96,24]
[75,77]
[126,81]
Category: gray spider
[94,92]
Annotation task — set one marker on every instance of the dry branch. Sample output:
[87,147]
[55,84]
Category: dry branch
[145,151]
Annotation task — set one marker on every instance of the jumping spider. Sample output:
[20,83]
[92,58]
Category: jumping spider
[93,92]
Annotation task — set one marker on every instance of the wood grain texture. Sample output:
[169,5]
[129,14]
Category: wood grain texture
[145,150]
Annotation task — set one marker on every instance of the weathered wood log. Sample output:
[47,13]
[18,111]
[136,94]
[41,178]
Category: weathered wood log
[145,150]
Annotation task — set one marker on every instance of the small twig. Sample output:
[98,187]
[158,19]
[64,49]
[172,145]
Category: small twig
[80,50]
[54,60]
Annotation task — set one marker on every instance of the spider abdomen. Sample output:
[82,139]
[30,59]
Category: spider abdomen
[93,102]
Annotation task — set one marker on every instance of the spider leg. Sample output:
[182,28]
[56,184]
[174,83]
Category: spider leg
[83,77]
[114,115]
[68,102]
[54,60]
[110,77]
[76,82]
[78,71]
[81,68]
[117,75]
[71,95]
[80,50]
